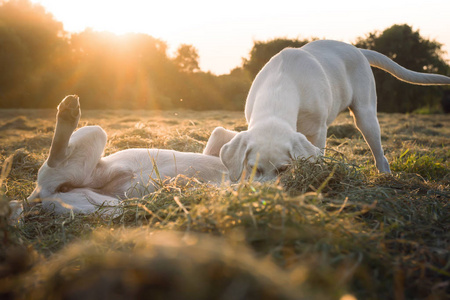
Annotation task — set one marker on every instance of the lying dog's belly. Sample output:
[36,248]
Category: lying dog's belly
[146,169]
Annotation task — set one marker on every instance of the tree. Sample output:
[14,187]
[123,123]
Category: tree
[30,41]
[234,88]
[262,52]
[187,58]
[408,48]
[126,71]
[14,62]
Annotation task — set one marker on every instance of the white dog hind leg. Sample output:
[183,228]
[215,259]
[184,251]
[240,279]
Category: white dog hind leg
[367,122]
[219,137]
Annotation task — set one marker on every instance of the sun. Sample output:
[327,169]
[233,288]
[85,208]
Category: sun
[173,22]
[157,18]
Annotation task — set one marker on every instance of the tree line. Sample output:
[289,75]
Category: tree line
[40,63]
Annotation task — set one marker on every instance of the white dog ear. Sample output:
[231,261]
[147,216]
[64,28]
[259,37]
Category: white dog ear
[233,155]
[302,148]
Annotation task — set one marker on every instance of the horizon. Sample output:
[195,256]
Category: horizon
[225,33]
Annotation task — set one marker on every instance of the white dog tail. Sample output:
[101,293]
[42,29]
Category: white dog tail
[384,63]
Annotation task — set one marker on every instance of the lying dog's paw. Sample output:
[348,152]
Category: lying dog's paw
[16,209]
[69,108]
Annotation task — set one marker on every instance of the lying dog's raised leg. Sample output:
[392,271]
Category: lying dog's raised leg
[367,122]
[74,176]
[67,119]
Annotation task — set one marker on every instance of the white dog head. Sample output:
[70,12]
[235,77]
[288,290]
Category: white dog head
[269,152]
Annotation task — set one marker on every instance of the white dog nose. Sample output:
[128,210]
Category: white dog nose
[34,196]
[265,178]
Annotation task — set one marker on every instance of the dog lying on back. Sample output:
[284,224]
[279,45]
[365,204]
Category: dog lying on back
[76,176]
[296,96]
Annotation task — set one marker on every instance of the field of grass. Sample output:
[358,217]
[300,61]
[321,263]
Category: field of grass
[335,229]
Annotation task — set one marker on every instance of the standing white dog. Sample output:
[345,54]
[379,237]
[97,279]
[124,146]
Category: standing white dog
[76,176]
[296,96]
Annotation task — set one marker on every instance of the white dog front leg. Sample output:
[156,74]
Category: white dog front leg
[319,139]
[219,137]
[67,119]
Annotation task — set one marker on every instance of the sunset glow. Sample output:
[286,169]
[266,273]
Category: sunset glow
[224,32]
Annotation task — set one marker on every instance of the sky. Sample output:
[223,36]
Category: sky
[224,31]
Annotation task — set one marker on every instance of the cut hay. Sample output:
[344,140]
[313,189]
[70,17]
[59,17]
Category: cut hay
[144,264]
[330,229]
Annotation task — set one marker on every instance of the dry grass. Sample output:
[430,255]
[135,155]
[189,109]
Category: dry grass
[325,230]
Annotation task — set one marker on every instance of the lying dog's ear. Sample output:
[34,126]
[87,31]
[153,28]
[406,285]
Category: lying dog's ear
[233,155]
[302,148]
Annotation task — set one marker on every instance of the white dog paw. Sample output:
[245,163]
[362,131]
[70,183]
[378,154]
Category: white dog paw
[69,109]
